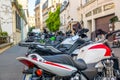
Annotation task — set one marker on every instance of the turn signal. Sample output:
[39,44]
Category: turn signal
[38,72]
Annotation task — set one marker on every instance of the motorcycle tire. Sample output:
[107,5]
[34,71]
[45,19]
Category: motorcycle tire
[27,77]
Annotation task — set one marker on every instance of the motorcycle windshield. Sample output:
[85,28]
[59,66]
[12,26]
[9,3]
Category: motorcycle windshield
[70,40]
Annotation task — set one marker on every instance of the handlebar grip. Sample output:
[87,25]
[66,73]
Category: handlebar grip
[111,33]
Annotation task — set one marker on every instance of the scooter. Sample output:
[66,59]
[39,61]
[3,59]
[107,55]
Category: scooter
[104,66]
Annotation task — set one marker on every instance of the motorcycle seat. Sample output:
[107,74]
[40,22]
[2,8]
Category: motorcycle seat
[47,48]
[67,59]
[53,49]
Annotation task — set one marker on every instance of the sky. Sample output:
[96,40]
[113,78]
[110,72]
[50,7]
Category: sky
[31,6]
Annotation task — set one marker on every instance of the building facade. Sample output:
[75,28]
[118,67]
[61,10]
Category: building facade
[10,19]
[42,9]
[96,14]
[24,27]
[31,21]
[117,13]
[24,4]
[6,16]
[91,14]
[45,13]
[49,5]
[63,16]
[37,14]
[18,22]
[69,14]
[53,4]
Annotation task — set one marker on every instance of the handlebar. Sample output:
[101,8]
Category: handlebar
[82,31]
[111,33]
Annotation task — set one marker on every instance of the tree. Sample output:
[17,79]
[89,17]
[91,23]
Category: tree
[114,19]
[53,21]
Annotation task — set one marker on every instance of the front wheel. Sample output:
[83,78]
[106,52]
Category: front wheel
[27,77]
[33,77]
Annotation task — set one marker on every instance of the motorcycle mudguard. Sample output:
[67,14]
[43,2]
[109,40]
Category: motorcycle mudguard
[55,68]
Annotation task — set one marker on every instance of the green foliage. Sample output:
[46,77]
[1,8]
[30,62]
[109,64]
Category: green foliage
[53,22]
[31,28]
[3,37]
[20,9]
[19,6]
[3,34]
[114,19]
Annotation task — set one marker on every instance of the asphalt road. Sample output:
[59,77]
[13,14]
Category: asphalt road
[117,54]
[10,68]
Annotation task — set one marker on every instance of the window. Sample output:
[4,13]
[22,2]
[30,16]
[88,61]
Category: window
[97,10]
[88,14]
[18,21]
[109,6]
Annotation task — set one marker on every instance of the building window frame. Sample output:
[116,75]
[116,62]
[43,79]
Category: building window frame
[18,21]
[108,6]
[97,10]
[88,14]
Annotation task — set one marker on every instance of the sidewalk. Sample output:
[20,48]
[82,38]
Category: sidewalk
[5,46]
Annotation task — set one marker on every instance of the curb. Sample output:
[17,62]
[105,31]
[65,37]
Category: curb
[4,47]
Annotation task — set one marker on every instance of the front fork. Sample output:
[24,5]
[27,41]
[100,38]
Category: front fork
[110,69]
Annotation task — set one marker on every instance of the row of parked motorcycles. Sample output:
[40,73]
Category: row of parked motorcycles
[75,58]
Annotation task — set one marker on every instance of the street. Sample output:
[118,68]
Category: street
[10,68]
[117,53]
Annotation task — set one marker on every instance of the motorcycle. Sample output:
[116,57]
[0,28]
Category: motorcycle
[97,56]
[67,46]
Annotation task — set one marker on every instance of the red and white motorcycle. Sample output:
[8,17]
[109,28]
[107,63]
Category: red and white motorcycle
[93,62]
